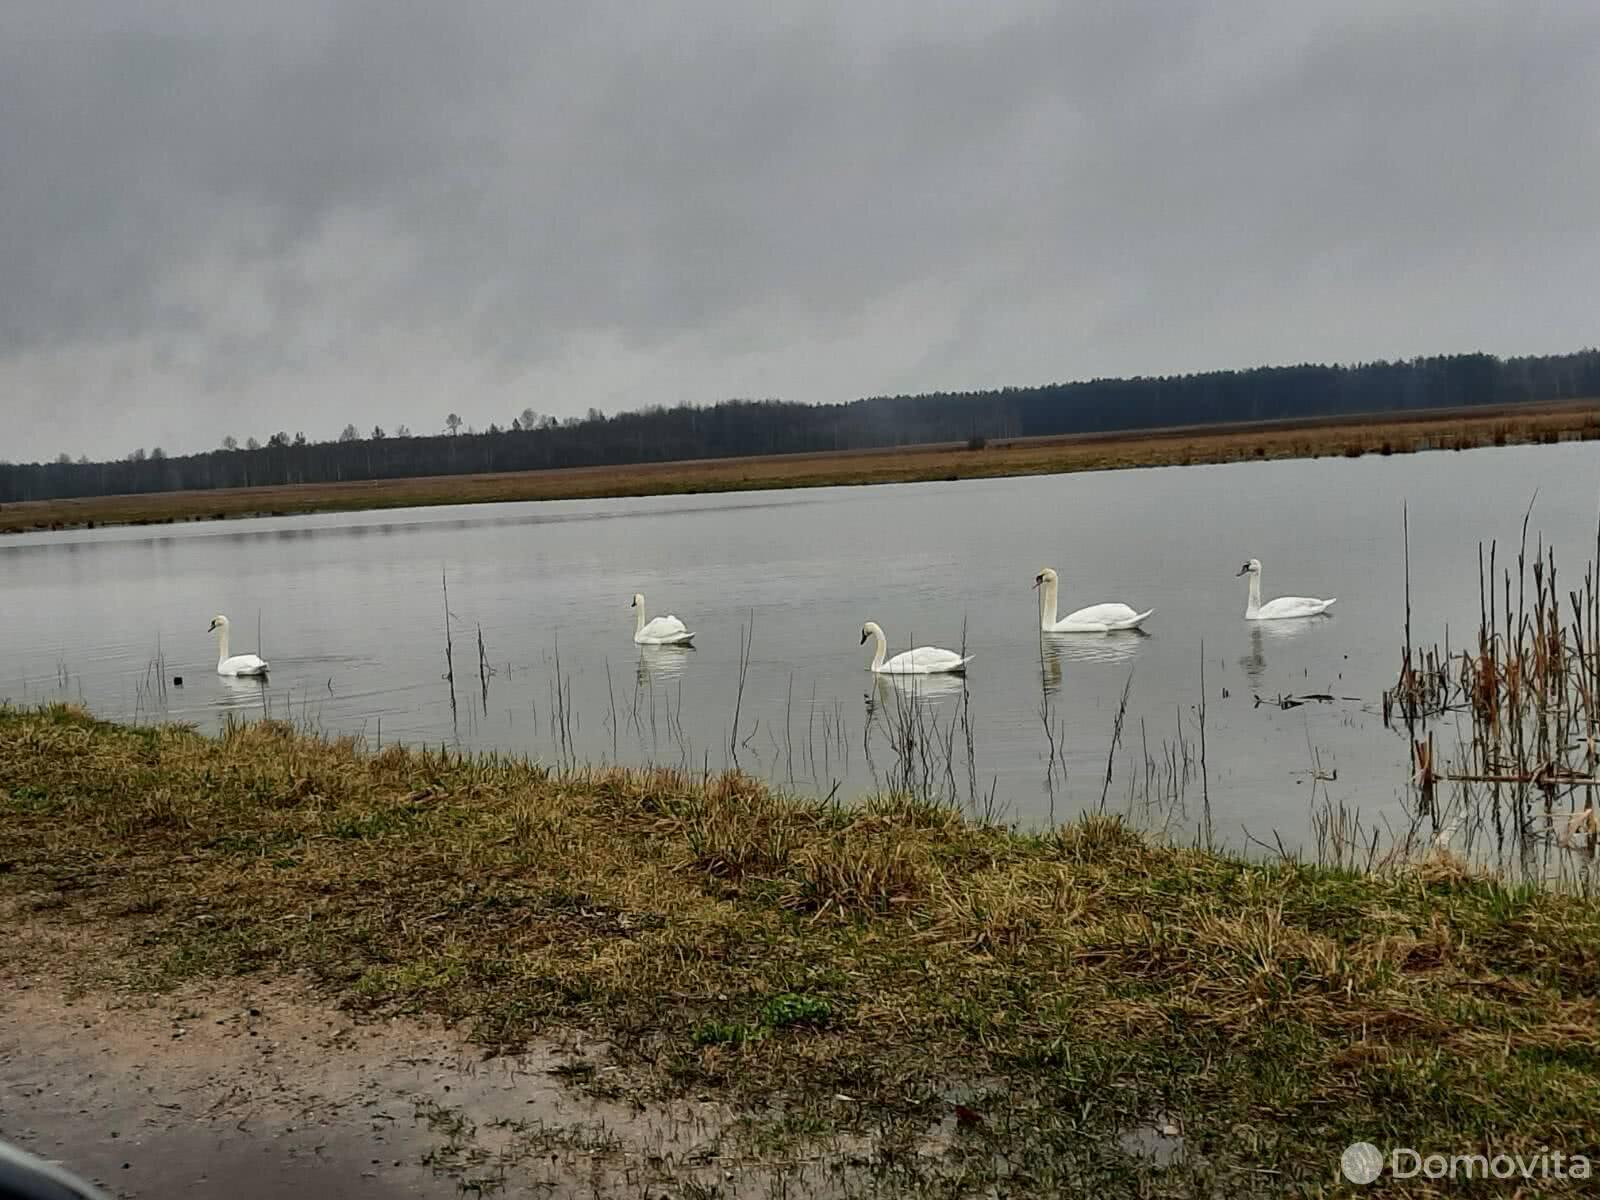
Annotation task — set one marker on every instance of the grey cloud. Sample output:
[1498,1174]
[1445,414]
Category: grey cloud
[239,218]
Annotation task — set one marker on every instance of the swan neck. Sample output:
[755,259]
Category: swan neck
[879,646]
[222,644]
[638,618]
[1255,593]
[1047,604]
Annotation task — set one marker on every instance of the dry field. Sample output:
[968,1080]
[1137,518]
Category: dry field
[1444,429]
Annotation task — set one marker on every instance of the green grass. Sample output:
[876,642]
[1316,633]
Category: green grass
[832,970]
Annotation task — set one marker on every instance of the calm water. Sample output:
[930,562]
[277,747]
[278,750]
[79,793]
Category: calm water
[351,615]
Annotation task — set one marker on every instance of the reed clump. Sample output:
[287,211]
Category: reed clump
[835,970]
[1517,786]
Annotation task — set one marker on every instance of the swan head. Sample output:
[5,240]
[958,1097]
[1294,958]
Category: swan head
[1048,575]
[1253,567]
[869,630]
[217,622]
[638,600]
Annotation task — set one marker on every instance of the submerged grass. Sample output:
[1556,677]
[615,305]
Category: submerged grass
[997,1010]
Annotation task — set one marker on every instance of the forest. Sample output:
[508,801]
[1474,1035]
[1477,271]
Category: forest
[530,442]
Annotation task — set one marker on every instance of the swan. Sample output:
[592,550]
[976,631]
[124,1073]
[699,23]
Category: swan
[1283,606]
[924,660]
[1097,618]
[663,631]
[238,664]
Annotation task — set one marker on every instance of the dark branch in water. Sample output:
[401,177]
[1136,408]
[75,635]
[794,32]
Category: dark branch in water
[449,646]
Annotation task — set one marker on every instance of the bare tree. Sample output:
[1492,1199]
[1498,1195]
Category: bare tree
[250,443]
[230,442]
[453,423]
[529,418]
[350,434]
[63,458]
[377,433]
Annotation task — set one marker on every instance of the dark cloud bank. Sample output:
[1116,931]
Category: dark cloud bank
[236,218]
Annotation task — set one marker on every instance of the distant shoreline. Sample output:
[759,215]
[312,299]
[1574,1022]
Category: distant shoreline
[1385,433]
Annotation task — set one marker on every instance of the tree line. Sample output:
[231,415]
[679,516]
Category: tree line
[531,442]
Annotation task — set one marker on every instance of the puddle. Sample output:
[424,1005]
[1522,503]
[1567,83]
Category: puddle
[273,1093]
[1158,1142]
[257,1088]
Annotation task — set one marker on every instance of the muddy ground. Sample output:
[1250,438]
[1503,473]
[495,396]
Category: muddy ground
[258,1089]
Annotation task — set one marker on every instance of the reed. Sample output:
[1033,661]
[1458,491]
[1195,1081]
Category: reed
[449,645]
[1116,738]
[1504,734]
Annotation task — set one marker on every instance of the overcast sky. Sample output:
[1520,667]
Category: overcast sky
[238,217]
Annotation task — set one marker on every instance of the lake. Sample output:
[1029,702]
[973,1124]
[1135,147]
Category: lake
[351,614]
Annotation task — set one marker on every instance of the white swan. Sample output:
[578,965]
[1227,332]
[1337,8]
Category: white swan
[1283,606]
[1097,618]
[924,660]
[663,631]
[238,664]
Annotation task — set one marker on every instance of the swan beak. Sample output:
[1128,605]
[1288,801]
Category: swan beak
[1244,570]
[863,637]
[1037,580]
[211,627]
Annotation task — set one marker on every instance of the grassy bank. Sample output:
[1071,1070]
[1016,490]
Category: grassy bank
[884,971]
[1454,429]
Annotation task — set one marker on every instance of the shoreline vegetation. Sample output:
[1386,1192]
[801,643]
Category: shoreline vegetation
[1352,437]
[932,1006]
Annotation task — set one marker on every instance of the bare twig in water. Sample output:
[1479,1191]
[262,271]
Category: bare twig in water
[449,646]
[1205,782]
[1116,738]
[611,696]
[484,669]
[747,634]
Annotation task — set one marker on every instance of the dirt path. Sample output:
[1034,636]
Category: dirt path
[266,1092]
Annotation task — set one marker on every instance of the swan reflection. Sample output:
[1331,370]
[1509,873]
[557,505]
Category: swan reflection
[1255,662]
[662,664]
[1055,650]
[897,693]
[236,693]
[1287,629]
[1264,633]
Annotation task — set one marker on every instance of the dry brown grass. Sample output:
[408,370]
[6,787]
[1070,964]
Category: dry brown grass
[1453,429]
[725,939]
